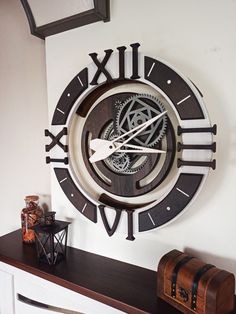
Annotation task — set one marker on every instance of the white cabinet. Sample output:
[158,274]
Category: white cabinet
[22,293]
[6,292]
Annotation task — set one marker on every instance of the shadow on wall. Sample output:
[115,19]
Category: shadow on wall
[219,261]
[45,202]
[71,230]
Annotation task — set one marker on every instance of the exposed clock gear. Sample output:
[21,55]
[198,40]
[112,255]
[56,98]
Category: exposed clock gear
[109,134]
[132,162]
[118,104]
[137,110]
[120,164]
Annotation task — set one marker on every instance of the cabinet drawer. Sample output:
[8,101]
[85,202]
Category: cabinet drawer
[29,309]
[48,293]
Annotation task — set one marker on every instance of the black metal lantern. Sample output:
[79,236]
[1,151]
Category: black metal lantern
[48,219]
[51,241]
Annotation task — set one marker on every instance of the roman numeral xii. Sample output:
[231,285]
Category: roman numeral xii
[102,69]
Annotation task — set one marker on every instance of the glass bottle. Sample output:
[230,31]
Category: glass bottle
[30,216]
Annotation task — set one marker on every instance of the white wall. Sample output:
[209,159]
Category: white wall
[23,114]
[198,38]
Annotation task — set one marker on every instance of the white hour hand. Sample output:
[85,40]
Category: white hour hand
[103,149]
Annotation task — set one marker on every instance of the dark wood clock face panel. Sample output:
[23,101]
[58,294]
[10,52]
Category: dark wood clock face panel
[74,89]
[133,137]
[74,195]
[173,85]
[178,198]
[122,173]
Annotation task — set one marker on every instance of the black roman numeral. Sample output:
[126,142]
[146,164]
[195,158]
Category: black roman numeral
[135,75]
[211,164]
[110,230]
[212,130]
[56,140]
[101,65]
[130,224]
[121,62]
[211,147]
[62,160]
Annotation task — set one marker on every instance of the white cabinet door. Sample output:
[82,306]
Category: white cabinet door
[6,293]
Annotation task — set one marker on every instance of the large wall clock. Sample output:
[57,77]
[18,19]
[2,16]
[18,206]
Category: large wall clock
[131,141]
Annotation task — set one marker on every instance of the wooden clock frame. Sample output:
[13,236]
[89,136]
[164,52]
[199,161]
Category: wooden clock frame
[193,119]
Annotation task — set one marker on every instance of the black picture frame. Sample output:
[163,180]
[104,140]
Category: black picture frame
[101,12]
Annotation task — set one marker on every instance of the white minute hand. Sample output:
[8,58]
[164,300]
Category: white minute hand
[109,147]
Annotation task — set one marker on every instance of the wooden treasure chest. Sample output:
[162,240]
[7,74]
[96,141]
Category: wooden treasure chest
[192,286]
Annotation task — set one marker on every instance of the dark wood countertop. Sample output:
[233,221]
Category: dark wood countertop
[129,288]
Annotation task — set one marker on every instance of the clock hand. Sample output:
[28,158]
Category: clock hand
[144,150]
[103,149]
[108,148]
[96,144]
[139,149]
[140,128]
[147,151]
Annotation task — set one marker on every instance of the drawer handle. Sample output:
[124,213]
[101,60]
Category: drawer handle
[31,302]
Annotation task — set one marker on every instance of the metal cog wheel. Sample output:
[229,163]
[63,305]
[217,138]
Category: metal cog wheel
[109,134]
[137,168]
[123,164]
[118,164]
[137,110]
[118,104]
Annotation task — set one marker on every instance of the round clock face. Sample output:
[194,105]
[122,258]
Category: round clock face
[139,146]
[134,173]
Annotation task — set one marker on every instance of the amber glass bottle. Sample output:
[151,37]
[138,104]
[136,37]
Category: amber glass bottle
[30,216]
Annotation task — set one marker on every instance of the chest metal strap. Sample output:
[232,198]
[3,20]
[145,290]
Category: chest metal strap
[196,280]
[178,266]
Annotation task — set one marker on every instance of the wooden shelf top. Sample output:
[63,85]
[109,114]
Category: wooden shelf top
[127,287]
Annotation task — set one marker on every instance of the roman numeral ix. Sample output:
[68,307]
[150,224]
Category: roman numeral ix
[56,141]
